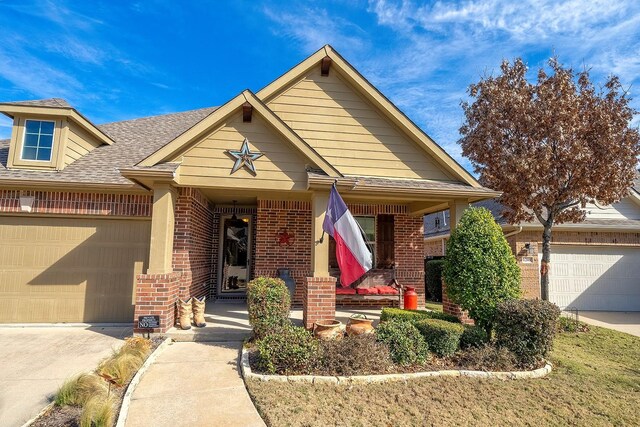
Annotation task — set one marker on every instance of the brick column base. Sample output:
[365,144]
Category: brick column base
[450,307]
[318,300]
[156,294]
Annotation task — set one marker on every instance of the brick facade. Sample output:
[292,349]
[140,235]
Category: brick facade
[192,249]
[156,295]
[274,217]
[78,203]
[409,252]
[450,307]
[318,300]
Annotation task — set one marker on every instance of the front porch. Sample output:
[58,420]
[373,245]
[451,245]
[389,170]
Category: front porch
[228,321]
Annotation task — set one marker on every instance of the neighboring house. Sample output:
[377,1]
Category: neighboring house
[595,264]
[107,223]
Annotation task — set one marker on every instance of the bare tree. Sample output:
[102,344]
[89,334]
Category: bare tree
[550,146]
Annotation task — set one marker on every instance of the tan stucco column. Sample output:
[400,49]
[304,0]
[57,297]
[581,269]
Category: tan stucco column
[162,228]
[319,251]
[456,208]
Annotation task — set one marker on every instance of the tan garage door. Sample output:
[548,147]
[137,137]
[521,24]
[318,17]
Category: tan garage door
[70,270]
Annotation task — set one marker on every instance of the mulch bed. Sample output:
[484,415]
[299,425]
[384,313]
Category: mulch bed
[69,416]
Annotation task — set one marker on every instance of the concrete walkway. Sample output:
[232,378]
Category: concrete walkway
[192,384]
[628,322]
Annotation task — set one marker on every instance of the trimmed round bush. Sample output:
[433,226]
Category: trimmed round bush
[480,271]
[355,355]
[526,328]
[473,337]
[442,337]
[268,304]
[433,278]
[415,315]
[405,343]
[291,351]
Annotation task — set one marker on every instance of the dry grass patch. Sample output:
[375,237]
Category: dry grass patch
[595,382]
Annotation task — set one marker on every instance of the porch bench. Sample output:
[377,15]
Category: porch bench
[374,293]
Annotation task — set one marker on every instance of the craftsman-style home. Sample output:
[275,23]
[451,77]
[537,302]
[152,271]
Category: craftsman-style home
[104,223]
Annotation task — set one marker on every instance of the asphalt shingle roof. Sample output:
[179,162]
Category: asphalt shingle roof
[134,141]
[49,102]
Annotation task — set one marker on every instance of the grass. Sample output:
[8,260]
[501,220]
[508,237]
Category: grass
[595,382]
[435,306]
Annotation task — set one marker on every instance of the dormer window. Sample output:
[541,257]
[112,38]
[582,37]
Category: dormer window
[38,140]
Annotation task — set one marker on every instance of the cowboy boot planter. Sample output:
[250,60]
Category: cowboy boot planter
[198,312]
[184,313]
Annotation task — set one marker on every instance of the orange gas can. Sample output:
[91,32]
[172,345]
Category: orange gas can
[410,298]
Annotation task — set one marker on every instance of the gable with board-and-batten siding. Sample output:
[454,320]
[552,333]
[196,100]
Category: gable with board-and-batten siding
[344,128]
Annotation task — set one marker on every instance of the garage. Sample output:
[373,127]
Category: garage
[598,278]
[70,270]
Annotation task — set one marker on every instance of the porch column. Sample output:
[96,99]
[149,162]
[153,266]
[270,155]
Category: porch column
[157,290]
[456,208]
[320,250]
[162,229]
[319,292]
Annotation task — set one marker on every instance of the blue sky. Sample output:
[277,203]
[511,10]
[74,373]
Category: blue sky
[115,60]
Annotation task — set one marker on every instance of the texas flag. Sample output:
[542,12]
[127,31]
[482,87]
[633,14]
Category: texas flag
[354,259]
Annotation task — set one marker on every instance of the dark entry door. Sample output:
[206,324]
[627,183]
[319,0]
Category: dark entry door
[235,259]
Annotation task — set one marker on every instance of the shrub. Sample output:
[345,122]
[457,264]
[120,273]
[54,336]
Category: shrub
[268,304]
[406,344]
[415,315]
[480,271]
[567,324]
[443,337]
[290,351]
[99,411]
[356,355]
[79,389]
[486,358]
[473,337]
[527,328]
[433,278]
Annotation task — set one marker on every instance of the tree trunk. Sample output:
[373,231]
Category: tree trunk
[546,262]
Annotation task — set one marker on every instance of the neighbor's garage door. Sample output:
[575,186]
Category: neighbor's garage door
[70,270]
[595,278]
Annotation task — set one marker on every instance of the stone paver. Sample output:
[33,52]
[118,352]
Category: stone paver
[193,383]
[35,361]
[628,322]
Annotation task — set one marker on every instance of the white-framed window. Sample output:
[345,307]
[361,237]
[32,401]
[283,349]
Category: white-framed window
[37,143]
[368,225]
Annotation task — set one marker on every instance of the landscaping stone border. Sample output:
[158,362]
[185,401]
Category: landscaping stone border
[364,379]
[126,399]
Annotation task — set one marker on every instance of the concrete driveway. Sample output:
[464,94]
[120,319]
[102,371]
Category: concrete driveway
[628,322]
[34,361]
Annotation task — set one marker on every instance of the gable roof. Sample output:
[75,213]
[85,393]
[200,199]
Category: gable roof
[373,95]
[136,139]
[190,136]
[54,107]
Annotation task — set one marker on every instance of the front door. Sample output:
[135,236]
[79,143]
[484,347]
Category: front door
[234,264]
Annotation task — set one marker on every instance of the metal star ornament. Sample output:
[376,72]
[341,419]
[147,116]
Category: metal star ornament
[244,157]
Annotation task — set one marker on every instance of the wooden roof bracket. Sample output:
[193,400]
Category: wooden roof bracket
[325,65]
[247,111]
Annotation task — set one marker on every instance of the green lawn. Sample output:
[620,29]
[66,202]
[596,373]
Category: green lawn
[435,306]
[595,382]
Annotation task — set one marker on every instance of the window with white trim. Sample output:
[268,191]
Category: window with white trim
[38,140]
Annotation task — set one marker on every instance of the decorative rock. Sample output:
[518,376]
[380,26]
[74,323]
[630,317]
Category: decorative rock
[325,380]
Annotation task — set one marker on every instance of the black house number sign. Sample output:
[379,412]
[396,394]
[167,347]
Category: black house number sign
[148,322]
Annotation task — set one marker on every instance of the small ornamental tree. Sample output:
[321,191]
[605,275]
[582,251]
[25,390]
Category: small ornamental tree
[550,146]
[480,271]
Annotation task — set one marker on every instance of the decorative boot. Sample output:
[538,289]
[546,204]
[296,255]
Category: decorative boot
[184,313]
[198,312]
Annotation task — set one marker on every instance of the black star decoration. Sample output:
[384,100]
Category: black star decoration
[244,157]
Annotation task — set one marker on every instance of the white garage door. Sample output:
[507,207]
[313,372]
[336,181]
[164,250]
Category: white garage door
[595,278]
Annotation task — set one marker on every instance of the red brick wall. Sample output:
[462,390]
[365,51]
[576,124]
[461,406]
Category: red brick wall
[156,294]
[454,309]
[192,249]
[318,300]
[77,203]
[272,217]
[409,252]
